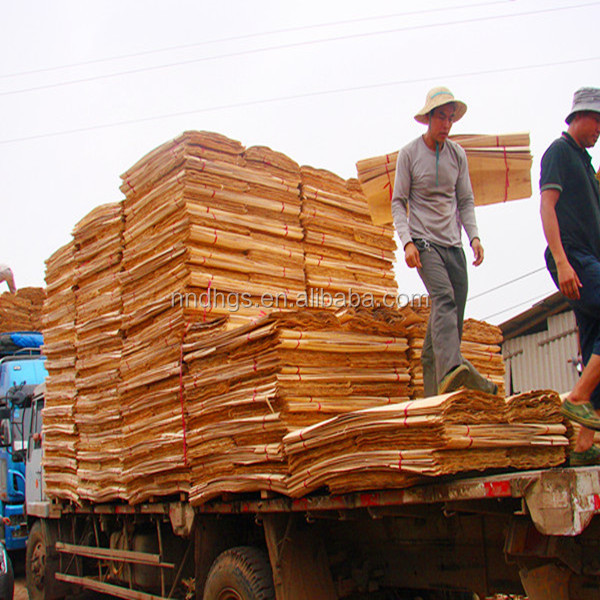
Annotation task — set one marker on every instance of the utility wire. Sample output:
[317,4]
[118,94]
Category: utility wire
[516,306]
[248,103]
[288,46]
[507,283]
[248,36]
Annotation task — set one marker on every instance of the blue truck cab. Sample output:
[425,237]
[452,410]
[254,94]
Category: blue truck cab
[21,370]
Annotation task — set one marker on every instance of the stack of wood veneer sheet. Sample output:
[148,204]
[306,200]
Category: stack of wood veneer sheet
[499,167]
[346,257]
[398,445]
[481,345]
[246,388]
[98,239]
[210,229]
[22,311]
[60,336]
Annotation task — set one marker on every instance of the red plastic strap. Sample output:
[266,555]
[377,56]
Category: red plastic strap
[286,231]
[282,206]
[298,373]
[209,307]
[181,400]
[507,183]
[399,460]
[469,436]
[298,344]
[389,185]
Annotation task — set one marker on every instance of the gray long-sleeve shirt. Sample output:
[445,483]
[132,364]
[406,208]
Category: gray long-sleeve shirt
[424,209]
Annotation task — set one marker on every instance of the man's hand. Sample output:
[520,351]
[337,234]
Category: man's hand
[568,281]
[412,256]
[477,251]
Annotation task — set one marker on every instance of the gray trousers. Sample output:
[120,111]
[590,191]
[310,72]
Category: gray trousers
[444,273]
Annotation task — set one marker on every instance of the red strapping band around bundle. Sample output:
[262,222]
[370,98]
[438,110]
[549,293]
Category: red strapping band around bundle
[298,341]
[183,423]
[286,231]
[298,373]
[506,182]
[206,312]
[282,206]
[400,460]
[469,436]
[389,185]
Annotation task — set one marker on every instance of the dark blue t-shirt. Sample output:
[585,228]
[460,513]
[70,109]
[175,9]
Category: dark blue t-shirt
[567,167]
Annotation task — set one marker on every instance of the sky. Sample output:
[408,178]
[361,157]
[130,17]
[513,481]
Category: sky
[89,87]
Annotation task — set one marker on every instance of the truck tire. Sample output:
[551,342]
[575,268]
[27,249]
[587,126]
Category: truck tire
[241,573]
[40,563]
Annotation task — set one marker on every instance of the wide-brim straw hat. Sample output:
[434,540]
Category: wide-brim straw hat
[439,96]
[584,99]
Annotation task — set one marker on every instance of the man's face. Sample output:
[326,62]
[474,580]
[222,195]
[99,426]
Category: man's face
[440,122]
[587,128]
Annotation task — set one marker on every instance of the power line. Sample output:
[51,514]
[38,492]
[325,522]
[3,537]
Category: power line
[294,97]
[251,36]
[515,306]
[287,47]
[507,283]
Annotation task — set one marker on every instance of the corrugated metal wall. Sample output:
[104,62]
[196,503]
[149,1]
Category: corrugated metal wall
[545,359]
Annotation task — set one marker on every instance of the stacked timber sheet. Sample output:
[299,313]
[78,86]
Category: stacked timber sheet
[58,325]
[481,346]
[211,229]
[395,446]
[98,239]
[21,311]
[499,167]
[347,258]
[245,388]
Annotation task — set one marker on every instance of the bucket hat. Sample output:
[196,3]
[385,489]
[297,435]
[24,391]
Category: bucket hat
[585,98]
[439,96]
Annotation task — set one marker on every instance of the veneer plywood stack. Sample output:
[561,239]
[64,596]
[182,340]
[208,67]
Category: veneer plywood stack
[98,239]
[21,311]
[346,256]
[60,336]
[210,228]
[481,346]
[499,167]
[245,388]
[398,445]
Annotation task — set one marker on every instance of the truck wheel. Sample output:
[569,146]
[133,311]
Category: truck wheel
[39,573]
[241,573]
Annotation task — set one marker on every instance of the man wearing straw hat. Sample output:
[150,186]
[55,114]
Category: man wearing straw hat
[570,211]
[432,199]
[6,274]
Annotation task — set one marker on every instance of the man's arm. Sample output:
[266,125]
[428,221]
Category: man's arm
[568,281]
[400,211]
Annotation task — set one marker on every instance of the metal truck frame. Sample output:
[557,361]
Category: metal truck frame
[528,532]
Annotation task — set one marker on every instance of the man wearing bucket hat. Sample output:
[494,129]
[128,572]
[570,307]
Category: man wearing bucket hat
[432,199]
[570,211]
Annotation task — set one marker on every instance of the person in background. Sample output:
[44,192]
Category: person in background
[6,274]
[570,212]
[432,200]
